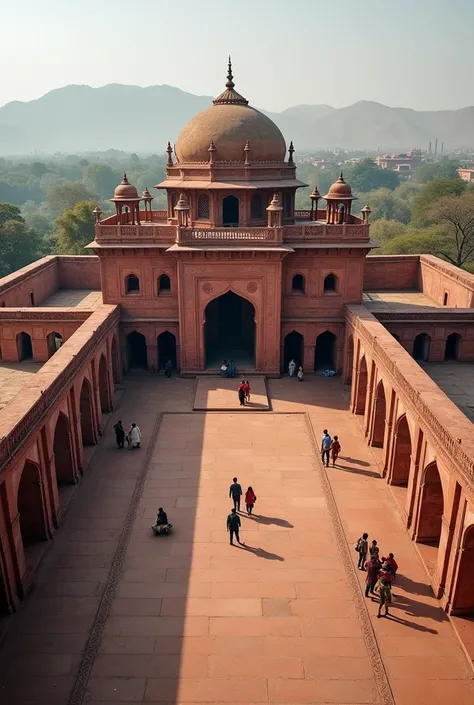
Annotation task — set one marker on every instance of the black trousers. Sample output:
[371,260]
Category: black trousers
[325,455]
[236,533]
[120,441]
[249,508]
[369,587]
[237,502]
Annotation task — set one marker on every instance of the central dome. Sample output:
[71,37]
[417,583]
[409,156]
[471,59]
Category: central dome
[229,124]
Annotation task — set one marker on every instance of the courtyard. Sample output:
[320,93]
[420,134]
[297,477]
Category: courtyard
[121,616]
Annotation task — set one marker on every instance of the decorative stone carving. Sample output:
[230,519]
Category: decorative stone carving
[207,288]
[252,287]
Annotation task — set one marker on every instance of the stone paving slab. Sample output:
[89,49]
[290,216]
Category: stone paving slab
[188,618]
[220,394]
[14,376]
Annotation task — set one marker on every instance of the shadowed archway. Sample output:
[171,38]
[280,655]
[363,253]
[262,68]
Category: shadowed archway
[24,347]
[104,385]
[293,350]
[230,211]
[431,507]
[380,412]
[463,601]
[87,423]
[361,388]
[63,452]
[452,349]
[166,349]
[229,331]
[421,347]
[401,454]
[30,507]
[325,352]
[54,342]
[136,351]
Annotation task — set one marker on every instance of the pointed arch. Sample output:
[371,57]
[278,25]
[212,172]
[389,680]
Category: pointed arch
[24,346]
[63,458]
[230,330]
[298,284]
[30,506]
[166,343]
[132,284]
[380,412]
[401,453]
[421,347]
[137,354]
[330,284]
[431,506]
[325,351]
[362,379]
[230,211]
[463,600]
[87,419]
[452,349]
[293,348]
[54,341]
[203,207]
[164,284]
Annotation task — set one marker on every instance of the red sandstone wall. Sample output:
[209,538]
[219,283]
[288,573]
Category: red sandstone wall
[79,272]
[438,332]
[391,272]
[437,278]
[40,278]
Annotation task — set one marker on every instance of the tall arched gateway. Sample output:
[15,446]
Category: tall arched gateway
[229,331]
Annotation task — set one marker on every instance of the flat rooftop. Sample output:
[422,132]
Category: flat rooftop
[407,299]
[74,298]
[456,380]
[14,376]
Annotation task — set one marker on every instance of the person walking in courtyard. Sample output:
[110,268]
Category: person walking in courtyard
[325,447]
[384,589]
[372,566]
[247,391]
[119,434]
[300,374]
[362,548]
[241,393]
[335,450]
[168,368]
[235,492]
[250,499]
[233,527]
[134,436]
[292,368]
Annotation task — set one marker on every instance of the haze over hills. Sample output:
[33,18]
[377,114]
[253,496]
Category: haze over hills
[80,118]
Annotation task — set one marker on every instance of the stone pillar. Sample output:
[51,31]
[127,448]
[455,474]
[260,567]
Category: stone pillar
[152,357]
[436,353]
[308,357]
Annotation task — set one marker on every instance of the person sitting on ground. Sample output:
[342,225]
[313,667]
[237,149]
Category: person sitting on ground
[335,450]
[161,524]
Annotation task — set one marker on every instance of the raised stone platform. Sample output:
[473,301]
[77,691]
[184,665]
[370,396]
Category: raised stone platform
[220,393]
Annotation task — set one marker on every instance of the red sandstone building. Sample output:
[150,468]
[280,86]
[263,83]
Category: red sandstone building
[231,270]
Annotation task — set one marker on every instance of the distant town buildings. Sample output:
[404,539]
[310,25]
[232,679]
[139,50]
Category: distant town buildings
[466,174]
[403,164]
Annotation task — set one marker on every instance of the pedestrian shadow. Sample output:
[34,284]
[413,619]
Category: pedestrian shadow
[261,519]
[355,461]
[261,553]
[414,608]
[412,625]
[413,586]
[357,471]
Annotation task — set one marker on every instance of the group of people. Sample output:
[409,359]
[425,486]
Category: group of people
[292,370]
[132,437]
[228,369]
[244,392]
[233,520]
[329,447]
[381,571]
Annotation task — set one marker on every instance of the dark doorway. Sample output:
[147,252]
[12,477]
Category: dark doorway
[325,352]
[401,454]
[164,284]
[293,350]
[463,602]
[361,388]
[230,211]
[452,349]
[380,413]
[62,452]
[104,385]
[87,424]
[24,347]
[431,507]
[30,506]
[54,340]
[421,347]
[229,331]
[166,349]
[136,351]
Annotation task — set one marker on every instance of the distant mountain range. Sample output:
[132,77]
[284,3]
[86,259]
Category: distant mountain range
[80,118]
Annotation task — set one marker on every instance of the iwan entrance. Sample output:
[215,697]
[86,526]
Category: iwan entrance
[229,332]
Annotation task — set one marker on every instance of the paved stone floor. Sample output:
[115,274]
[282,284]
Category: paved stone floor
[456,379]
[218,393]
[121,616]
[400,300]
[14,376]
[74,298]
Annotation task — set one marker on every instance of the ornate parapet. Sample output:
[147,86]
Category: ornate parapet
[17,315]
[48,384]
[229,236]
[146,233]
[321,232]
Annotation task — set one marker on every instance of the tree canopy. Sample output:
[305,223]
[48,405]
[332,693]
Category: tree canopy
[456,214]
[367,176]
[75,228]
[430,193]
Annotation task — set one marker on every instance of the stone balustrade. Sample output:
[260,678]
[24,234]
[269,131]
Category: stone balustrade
[230,235]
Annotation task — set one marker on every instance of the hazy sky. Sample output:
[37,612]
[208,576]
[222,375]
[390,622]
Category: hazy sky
[413,53]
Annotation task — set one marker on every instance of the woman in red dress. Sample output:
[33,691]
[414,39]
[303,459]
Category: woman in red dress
[250,500]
